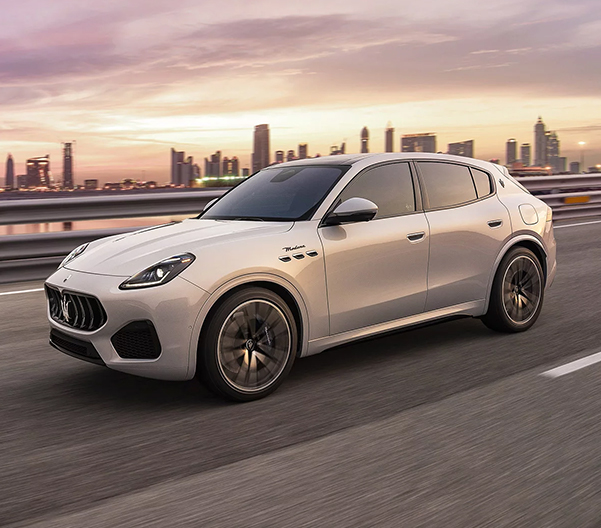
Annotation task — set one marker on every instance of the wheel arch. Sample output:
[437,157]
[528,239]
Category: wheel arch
[277,285]
[525,241]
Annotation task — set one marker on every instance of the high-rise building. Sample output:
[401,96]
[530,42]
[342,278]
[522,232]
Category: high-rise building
[462,148]
[511,151]
[335,149]
[562,164]
[525,154]
[187,171]
[90,185]
[389,138]
[290,155]
[68,165]
[177,158]
[418,142]
[38,172]
[303,151]
[261,151]
[552,155]
[279,156]
[245,172]
[9,182]
[575,167]
[231,167]
[365,140]
[540,144]
[213,165]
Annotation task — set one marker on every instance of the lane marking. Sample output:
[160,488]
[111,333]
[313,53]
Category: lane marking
[21,291]
[573,366]
[574,225]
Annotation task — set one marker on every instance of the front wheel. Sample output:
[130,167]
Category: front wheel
[249,346]
[517,293]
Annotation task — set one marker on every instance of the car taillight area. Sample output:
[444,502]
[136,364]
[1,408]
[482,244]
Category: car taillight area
[82,312]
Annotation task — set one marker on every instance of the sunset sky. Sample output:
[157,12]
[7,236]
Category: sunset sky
[129,80]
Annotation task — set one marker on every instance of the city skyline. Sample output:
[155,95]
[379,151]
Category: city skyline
[132,80]
[184,171]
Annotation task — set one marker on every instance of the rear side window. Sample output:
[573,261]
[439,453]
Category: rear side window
[446,184]
[390,187]
[482,182]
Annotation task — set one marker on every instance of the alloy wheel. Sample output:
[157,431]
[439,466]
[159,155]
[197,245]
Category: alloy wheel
[254,345]
[522,289]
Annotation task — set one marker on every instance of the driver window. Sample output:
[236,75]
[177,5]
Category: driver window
[389,186]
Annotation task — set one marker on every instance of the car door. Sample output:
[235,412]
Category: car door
[468,226]
[376,271]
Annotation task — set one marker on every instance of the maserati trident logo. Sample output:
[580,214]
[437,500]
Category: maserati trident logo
[65,309]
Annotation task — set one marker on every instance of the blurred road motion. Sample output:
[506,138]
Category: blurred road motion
[448,425]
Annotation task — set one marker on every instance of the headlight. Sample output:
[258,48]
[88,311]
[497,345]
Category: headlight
[74,254]
[159,273]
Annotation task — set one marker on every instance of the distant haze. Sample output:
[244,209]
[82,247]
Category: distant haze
[129,80]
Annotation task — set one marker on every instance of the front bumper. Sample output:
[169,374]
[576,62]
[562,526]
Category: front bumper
[171,308]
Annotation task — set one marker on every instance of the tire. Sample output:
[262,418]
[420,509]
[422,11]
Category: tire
[249,345]
[517,293]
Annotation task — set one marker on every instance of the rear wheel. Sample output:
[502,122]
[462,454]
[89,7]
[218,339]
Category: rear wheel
[517,293]
[249,346]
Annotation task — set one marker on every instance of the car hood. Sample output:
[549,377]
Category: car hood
[126,255]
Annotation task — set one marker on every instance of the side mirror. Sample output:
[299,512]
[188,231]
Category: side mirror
[352,210]
[208,204]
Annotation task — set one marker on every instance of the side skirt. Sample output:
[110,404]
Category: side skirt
[472,308]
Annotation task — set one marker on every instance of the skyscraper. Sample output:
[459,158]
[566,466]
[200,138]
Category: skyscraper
[389,138]
[525,154]
[38,172]
[279,156]
[552,144]
[303,151]
[10,173]
[418,143]
[540,144]
[187,171]
[231,167]
[177,158]
[68,165]
[213,166]
[511,150]
[462,148]
[364,140]
[290,155]
[260,157]
[575,167]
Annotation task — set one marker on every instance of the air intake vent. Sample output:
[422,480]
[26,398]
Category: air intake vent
[137,340]
[75,347]
[83,312]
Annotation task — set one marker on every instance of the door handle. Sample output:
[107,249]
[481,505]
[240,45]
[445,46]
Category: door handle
[416,237]
[495,223]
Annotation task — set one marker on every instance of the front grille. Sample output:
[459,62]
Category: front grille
[83,312]
[137,340]
[75,347]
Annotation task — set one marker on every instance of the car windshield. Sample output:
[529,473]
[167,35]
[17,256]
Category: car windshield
[277,194]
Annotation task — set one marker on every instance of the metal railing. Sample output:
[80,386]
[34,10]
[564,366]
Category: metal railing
[35,256]
[570,196]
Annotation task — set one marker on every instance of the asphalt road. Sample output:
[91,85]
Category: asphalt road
[449,425]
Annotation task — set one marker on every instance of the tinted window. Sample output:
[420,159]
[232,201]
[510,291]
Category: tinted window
[482,182]
[291,193]
[446,184]
[389,186]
